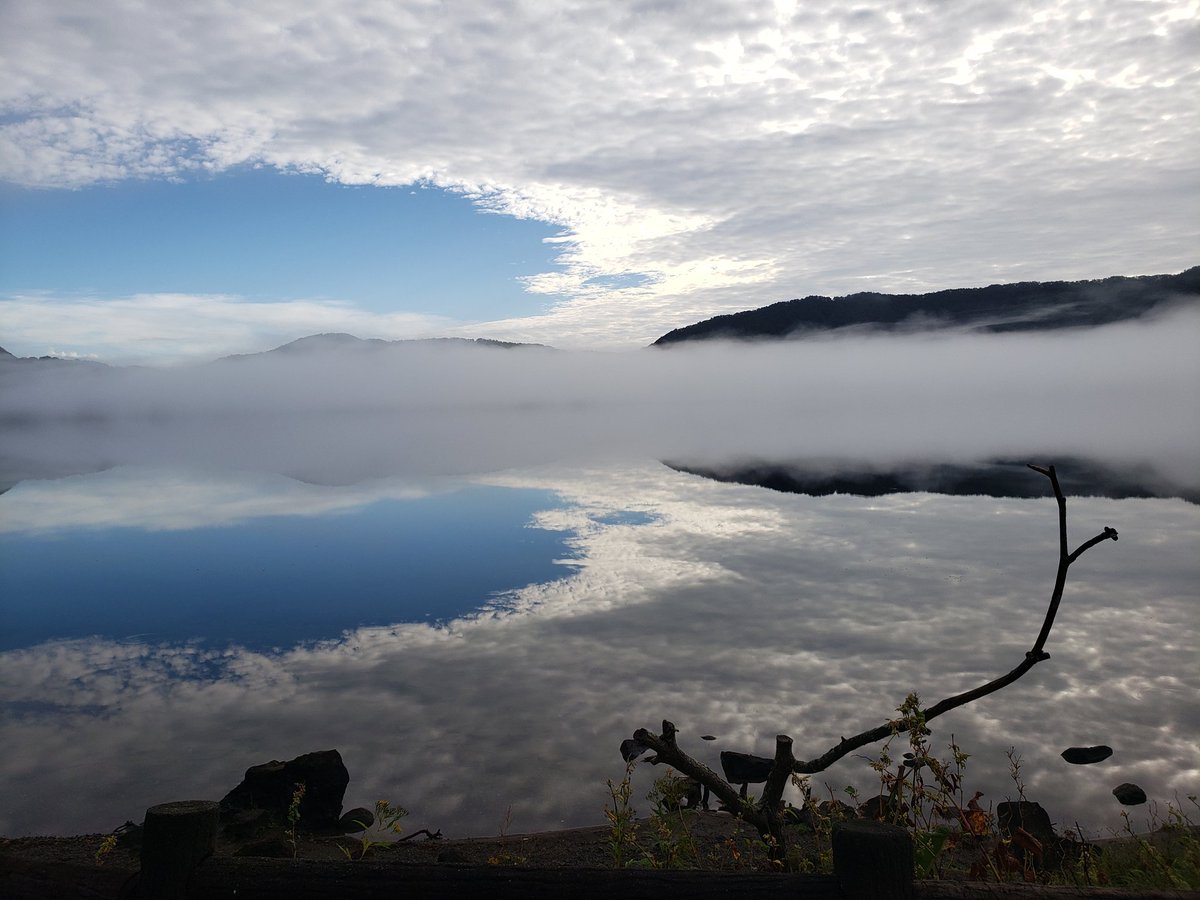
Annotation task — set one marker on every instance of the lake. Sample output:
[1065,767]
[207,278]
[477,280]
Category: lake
[481,642]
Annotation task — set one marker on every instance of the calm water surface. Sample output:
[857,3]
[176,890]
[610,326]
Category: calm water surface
[267,576]
[477,644]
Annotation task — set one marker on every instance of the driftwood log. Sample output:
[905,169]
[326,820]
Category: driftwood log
[765,814]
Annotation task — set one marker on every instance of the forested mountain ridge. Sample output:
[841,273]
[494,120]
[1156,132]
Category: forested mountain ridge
[1024,306]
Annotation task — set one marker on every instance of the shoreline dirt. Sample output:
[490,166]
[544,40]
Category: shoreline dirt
[586,847]
[722,843]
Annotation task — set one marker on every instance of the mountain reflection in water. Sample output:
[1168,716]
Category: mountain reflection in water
[729,609]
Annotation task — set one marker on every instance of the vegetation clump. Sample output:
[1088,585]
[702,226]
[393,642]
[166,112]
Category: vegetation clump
[376,834]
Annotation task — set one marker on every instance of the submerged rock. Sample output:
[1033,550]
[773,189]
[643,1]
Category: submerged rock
[1128,794]
[631,749]
[358,819]
[1083,756]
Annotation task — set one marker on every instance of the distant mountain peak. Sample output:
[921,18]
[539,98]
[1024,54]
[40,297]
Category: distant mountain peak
[336,341]
[326,339]
[7,357]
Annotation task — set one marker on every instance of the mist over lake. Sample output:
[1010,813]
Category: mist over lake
[345,412]
[607,591]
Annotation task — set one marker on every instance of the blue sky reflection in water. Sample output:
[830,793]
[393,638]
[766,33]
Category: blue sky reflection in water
[275,581]
[733,610]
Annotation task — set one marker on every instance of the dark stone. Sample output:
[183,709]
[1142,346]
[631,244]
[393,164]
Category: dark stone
[238,825]
[695,794]
[128,835]
[270,786]
[798,815]
[745,768]
[452,856]
[882,809]
[358,819]
[1129,794]
[836,809]
[1083,756]
[631,749]
[1030,817]
[812,814]
[1011,815]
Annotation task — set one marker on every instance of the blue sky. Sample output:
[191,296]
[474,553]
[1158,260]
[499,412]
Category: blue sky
[181,182]
[264,236]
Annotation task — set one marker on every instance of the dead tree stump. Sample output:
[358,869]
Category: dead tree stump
[873,859]
[177,837]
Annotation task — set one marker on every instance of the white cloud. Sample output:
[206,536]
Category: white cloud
[174,328]
[171,499]
[736,153]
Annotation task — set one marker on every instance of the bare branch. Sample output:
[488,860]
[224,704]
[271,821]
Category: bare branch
[667,751]
[781,772]
[1064,560]
[765,815]
[1034,656]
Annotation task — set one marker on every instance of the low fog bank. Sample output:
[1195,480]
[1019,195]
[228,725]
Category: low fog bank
[1126,393]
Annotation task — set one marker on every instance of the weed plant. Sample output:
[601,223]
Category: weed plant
[671,843]
[293,817]
[667,841]
[504,857]
[379,834]
[1165,857]
[107,845]
[623,845]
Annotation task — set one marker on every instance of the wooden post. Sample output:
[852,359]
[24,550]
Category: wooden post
[872,859]
[176,838]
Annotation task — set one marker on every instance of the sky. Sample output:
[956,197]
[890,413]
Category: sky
[182,182]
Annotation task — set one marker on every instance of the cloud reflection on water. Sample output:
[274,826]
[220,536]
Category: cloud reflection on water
[735,611]
[163,498]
